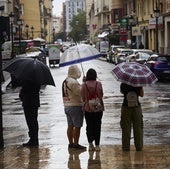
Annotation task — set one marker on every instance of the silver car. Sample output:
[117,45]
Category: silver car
[121,54]
[111,52]
[139,57]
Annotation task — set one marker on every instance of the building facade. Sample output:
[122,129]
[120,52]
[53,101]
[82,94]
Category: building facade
[57,24]
[35,18]
[146,21]
[72,7]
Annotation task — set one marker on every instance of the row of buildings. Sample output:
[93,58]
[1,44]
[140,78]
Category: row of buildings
[127,21]
[134,20]
[26,19]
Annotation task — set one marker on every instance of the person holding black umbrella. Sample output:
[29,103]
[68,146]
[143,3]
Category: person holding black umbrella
[30,74]
[29,95]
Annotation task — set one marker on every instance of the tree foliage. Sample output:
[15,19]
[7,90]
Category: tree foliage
[78,27]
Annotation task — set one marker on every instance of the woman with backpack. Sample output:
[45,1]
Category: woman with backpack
[131,115]
[92,96]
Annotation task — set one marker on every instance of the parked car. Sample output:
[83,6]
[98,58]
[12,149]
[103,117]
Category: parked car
[111,52]
[64,46]
[36,52]
[121,54]
[36,49]
[143,51]
[159,65]
[139,57]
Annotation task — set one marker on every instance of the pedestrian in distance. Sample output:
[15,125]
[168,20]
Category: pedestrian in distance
[29,95]
[131,115]
[92,96]
[71,91]
[141,46]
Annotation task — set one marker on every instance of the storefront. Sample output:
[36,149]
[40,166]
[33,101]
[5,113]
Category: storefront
[136,32]
[152,34]
[167,35]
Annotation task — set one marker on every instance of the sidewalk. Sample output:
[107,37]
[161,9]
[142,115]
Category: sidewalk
[7,79]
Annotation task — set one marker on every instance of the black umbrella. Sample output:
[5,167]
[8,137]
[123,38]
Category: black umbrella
[29,69]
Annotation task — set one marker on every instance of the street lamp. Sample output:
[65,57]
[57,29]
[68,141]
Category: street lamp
[11,17]
[131,21]
[53,35]
[32,31]
[27,28]
[1,119]
[157,14]
[19,22]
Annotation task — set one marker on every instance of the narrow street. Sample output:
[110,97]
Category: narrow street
[53,152]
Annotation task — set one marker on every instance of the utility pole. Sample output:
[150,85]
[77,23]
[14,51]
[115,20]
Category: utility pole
[1,119]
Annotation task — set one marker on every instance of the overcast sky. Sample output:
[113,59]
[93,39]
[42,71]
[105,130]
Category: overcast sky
[57,7]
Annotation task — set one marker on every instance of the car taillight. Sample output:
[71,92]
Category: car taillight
[154,64]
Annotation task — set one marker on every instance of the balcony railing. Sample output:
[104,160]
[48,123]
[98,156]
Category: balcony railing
[105,8]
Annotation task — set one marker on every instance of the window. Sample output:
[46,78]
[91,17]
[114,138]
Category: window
[168,6]
[162,59]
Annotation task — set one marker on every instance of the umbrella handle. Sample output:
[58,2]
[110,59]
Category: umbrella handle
[81,62]
[82,68]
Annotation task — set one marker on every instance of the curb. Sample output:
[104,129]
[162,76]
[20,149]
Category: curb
[7,79]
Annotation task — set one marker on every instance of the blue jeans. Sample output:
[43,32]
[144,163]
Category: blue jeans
[75,116]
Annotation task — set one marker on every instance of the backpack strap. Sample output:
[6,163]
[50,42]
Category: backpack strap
[88,89]
[65,92]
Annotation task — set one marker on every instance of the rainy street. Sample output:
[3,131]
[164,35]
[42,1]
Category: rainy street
[53,150]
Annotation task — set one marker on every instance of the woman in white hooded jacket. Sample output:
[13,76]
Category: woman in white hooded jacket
[71,90]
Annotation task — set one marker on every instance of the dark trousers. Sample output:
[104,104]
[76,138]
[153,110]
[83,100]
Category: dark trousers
[132,117]
[93,126]
[31,115]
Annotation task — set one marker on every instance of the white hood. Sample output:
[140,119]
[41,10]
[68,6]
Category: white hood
[74,72]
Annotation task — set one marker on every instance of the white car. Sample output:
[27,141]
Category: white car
[139,57]
[121,54]
[111,52]
[143,51]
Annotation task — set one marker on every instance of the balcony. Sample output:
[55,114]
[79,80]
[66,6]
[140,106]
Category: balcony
[105,8]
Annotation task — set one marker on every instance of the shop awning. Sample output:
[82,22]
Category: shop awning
[103,34]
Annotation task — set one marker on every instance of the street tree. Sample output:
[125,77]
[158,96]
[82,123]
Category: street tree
[78,27]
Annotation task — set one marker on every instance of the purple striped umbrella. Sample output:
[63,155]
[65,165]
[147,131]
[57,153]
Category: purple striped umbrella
[134,74]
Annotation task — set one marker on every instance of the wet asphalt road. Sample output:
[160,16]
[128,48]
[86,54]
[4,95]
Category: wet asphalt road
[52,121]
[53,152]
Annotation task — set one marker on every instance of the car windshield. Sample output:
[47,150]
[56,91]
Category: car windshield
[143,56]
[104,43]
[162,59]
[127,52]
[113,48]
[168,58]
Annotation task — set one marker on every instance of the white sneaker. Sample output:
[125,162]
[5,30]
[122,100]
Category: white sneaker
[97,148]
[91,147]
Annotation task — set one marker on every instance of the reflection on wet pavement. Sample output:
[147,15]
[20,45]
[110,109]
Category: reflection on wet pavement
[53,152]
[110,157]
